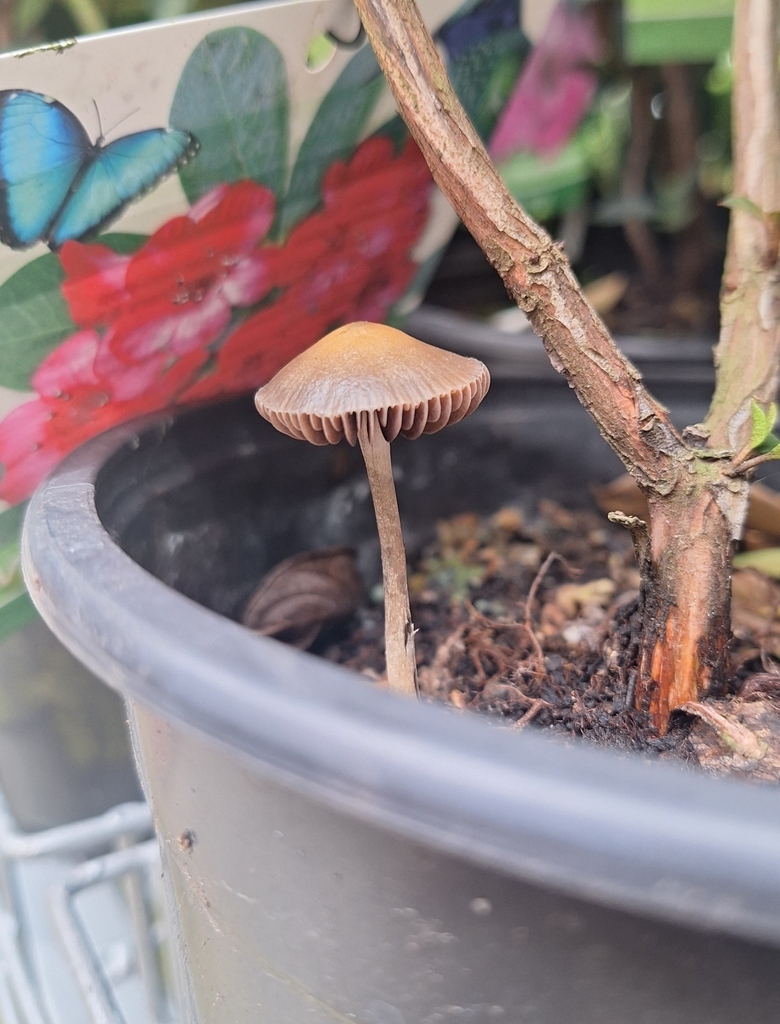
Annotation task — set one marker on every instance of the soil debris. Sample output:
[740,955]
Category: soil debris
[532,616]
[534,619]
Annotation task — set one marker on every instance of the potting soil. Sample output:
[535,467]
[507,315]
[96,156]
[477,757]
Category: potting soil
[531,616]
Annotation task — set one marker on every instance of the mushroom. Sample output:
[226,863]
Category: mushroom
[370,383]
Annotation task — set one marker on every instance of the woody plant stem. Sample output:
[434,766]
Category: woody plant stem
[696,495]
[399,632]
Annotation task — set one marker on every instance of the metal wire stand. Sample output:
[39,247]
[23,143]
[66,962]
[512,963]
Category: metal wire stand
[81,930]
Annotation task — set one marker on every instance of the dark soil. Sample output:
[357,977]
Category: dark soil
[533,619]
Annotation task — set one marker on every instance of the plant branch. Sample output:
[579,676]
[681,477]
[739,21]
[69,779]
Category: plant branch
[748,354]
[745,465]
[534,270]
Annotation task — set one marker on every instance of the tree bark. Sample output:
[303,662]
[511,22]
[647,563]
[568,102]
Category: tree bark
[748,353]
[686,591]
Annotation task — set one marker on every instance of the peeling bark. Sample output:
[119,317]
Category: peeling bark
[687,602]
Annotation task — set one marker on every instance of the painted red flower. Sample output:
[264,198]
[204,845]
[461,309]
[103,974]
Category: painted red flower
[358,247]
[158,310]
[73,405]
[350,261]
[155,326]
[176,294]
[34,436]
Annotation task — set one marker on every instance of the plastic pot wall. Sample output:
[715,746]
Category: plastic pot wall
[336,854]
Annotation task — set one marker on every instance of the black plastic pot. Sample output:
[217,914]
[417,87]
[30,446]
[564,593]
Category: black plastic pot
[337,854]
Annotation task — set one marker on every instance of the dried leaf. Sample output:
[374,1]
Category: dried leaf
[731,732]
[571,597]
[759,686]
[299,595]
[605,292]
[508,520]
[560,517]
[622,495]
[736,738]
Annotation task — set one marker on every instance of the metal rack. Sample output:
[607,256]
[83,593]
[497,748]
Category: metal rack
[82,932]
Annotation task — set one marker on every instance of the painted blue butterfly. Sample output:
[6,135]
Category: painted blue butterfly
[56,185]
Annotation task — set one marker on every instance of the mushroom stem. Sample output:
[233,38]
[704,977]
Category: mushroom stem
[399,632]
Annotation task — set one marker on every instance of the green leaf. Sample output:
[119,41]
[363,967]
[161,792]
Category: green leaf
[767,561]
[761,423]
[744,204]
[335,131]
[34,319]
[232,96]
[770,449]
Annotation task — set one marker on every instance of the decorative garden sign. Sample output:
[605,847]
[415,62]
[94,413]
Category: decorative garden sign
[186,206]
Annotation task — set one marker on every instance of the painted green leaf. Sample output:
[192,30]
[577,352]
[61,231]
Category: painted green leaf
[484,74]
[232,96]
[767,561]
[16,609]
[34,319]
[125,243]
[335,131]
[15,612]
[11,525]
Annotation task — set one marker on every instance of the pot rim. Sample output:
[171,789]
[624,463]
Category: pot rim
[612,828]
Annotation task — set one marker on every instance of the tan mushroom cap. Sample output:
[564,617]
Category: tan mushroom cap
[364,368]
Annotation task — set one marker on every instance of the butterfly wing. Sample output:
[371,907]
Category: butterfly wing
[42,148]
[117,174]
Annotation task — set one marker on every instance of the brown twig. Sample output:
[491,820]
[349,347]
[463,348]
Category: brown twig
[531,713]
[534,270]
[529,608]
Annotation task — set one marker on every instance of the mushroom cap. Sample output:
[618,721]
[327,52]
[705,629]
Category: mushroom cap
[366,368]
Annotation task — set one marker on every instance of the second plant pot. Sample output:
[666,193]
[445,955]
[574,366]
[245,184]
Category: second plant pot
[336,854]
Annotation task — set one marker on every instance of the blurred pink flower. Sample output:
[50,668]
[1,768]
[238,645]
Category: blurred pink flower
[556,87]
